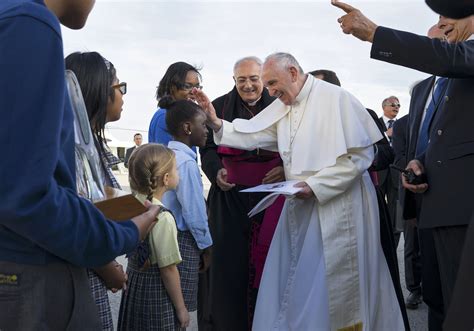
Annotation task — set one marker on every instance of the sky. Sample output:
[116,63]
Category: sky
[142,38]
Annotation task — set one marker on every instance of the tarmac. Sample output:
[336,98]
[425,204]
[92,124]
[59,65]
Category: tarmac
[418,318]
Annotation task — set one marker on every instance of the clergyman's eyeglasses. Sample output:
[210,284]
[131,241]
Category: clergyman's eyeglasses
[122,87]
[393,104]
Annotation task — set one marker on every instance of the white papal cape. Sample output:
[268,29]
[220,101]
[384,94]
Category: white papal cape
[325,269]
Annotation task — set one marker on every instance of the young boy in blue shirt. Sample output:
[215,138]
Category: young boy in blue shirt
[47,233]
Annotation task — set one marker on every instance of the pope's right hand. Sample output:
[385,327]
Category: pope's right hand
[147,220]
[221,180]
[203,101]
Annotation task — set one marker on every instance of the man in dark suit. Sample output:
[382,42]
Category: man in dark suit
[388,178]
[444,147]
[410,229]
[137,139]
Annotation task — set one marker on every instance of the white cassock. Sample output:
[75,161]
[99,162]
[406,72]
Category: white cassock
[325,269]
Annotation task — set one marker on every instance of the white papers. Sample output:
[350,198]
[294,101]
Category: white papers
[285,188]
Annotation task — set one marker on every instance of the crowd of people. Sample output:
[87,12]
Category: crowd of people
[322,259]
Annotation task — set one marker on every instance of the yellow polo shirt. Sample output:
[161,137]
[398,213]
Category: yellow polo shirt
[163,238]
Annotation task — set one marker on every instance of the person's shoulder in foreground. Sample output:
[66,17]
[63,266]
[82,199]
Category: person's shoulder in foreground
[41,217]
[32,9]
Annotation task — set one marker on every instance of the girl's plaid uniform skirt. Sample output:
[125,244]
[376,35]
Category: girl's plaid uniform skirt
[146,305]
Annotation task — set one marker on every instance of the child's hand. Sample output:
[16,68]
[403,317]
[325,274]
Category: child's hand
[205,260]
[113,275]
[183,317]
[124,279]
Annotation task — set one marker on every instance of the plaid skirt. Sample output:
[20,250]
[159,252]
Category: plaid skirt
[146,305]
[101,299]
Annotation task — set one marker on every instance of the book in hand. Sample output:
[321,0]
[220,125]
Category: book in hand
[275,189]
[119,205]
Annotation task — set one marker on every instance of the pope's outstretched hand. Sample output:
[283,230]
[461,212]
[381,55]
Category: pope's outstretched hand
[203,101]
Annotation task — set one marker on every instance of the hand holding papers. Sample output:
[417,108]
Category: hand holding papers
[286,188]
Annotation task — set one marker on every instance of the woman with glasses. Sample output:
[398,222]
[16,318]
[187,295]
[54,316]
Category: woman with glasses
[102,92]
[178,82]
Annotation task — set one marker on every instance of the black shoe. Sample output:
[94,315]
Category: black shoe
[413,300]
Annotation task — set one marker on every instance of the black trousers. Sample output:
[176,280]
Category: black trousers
[449,243]
[412,257]
[431,288]
[460,316]
[441,253]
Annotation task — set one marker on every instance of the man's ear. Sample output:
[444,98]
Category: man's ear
[294,73]
[187,128]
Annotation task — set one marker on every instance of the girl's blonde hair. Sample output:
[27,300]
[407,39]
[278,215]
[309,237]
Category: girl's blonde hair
[147,166]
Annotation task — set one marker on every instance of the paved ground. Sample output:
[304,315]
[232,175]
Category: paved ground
[418,318]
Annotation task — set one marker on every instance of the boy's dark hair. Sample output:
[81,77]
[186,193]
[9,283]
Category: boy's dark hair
[328,76]
[175,76]
[95,76]
[179,112]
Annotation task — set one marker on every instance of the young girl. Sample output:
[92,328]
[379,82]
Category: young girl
[186,122]
[102,93]
[154,298]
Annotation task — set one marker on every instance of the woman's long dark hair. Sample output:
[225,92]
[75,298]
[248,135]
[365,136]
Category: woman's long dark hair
[95,75]
[175,76]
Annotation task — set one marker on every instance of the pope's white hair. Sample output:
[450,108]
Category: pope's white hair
[284,60]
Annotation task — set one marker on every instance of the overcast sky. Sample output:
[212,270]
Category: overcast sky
[142,38]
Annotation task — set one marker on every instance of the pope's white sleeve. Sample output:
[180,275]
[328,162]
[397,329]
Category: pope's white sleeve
[334,180]
[228,136]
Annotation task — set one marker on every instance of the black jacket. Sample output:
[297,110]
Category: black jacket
[449,158]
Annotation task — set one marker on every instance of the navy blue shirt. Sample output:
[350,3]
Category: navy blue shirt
[41,217]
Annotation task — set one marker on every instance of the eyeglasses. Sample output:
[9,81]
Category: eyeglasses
[393,104]
[189,87]
[243,80]
[122,87]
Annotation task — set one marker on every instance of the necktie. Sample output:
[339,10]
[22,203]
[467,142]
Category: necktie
[436,99]
[390,125]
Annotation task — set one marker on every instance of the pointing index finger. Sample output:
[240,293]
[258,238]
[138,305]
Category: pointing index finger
[344,6]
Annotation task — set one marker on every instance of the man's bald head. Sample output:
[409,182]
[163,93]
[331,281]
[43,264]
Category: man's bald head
[247,78]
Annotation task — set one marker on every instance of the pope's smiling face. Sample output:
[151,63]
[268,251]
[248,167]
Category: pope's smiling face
[281,81]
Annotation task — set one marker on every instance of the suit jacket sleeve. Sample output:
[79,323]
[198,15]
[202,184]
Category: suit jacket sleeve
[399,142]
[127,156]
[438,58]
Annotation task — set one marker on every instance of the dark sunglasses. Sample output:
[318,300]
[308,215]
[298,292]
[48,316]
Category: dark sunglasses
[393,104]
[122,87]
